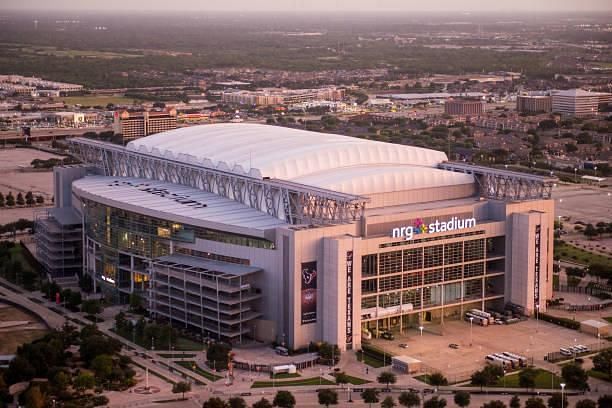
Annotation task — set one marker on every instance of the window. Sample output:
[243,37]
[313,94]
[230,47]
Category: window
[368,302]
[412,279]
[412,296]
[474,250]
[369,286]
[433,256]
[369,265]
[390,262]
[452,293]
[390,283]
[433,276]
[453,273]
[475,269]
[472,289]
[413,259]
[453,253]
[389,300]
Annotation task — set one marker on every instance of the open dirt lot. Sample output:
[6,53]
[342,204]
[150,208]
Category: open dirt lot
[16,336]
[530,339]
[583,203]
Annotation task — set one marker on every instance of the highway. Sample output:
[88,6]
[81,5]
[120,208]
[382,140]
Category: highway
[49,134]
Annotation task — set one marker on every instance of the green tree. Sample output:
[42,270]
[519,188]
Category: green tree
[215,402]
[327,397]
[409,399]
[515,402]
[435,402]
[262,403]
[603,362]
[328,352]
[494,404]
[91,307]
[586,403]
[535,402]
[605,401]
[342,378]
[388,402]
[135,301]
[237,402]
[555,401]
[2,203]
[437,380]
[84,381]
[575,377]
[590,231]
[40,199]
[60,381]
[386,377]
[29,198]
[217,355]
[10,199]
[370,396]
[181,387]
[102,366]
[462,398]
[527,377]
[20,199]
[284,399]
[34,397]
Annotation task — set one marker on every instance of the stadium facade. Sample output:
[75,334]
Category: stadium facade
[240,231]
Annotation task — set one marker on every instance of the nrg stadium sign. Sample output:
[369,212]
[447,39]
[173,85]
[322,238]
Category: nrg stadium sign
[419,227]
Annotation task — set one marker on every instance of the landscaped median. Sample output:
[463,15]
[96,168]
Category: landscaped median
[191,365]
[293,383]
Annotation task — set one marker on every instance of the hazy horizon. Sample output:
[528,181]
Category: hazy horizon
[465,6]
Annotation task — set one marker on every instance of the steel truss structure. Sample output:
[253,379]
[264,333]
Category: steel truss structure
[505,185]
[292,202]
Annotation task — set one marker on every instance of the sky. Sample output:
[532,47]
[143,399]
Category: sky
[315,5]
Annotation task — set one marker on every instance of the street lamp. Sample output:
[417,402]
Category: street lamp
[575,171]
[471,324]
[562,389]
[421,329]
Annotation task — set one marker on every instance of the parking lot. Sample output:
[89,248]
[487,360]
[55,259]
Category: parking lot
[530,339]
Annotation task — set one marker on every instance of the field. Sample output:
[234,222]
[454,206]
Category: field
[97,100]
[295,383]
[544,379]
[571,253]
[190,366]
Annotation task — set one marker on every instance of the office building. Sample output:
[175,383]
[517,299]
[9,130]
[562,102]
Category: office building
[578,102]
[534,103]
[134,125]
[464,107]
[273,96]
[243,231]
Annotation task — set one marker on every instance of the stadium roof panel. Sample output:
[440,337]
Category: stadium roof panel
[340,163]
[177,203]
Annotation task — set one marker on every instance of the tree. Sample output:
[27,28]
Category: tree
[527,377]
[61,380]
[435,402]
[34,398]
[487,376]
[494,404]
[135,301]
[370,396]
[262,403]
[575,377]
[603,362]
[84,381]
[20,200]
[91,307]
[590,231]
[181,387]
[342,378]
[386,377]
[29,198]
[437,379]
[605,401]
[102,366]
[2,203]
[10,199]
[586,403]
[327,352]
[40,199]
[555,401]
[515,402]
[215,402]
[462,398]
[409,399]
[388,402]
[535,402]
[284,399]
[237,402]
[328,397]
[217,355]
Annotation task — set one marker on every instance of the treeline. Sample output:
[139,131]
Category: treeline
[21,200]
[50,163]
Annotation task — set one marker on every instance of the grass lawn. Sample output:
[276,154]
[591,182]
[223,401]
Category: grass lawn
[599,375]
[543,380]
[294,383]
[190,366]
[282,376]
[356,380]
[95,100]
[573,254]
[185,344]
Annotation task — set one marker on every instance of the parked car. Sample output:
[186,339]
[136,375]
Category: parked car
[388,335]
[453,346]
[403,345]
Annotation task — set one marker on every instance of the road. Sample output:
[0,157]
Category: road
[49,134]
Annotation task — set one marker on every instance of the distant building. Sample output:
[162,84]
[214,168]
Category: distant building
[578,102]
[533,103]
[134,125]
[473,107]
[282,96]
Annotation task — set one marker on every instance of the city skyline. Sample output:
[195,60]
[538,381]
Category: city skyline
[468,6]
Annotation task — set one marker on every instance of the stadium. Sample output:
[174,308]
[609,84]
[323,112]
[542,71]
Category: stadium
[244,231]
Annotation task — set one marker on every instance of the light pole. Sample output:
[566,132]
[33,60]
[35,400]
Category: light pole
[575,171]
[598,341]
[421,329]
[471,324]
[562,389]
